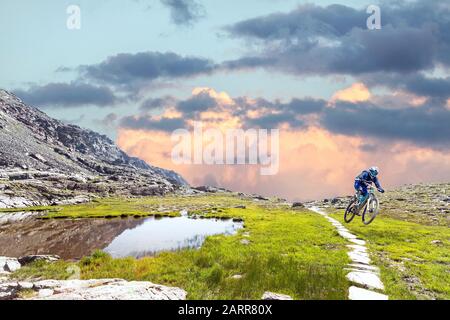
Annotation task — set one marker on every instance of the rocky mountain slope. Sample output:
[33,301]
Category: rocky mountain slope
[45,161]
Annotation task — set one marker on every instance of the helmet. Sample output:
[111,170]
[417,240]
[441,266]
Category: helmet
[374,171]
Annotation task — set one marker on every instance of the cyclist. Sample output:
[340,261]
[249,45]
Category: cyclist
[364,179]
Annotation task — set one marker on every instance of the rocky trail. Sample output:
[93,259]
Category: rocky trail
[363,275]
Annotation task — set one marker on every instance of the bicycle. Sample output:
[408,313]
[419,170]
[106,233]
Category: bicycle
[371,207]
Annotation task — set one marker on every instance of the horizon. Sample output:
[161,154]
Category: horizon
[160,67]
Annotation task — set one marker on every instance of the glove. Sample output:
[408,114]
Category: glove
[381,190]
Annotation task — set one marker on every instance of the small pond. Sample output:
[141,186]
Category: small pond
[73,239]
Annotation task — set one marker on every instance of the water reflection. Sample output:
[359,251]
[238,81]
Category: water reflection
[73,239]
[168,234]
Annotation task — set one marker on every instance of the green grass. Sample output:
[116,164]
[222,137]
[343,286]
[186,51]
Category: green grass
[411,266]
[291,252]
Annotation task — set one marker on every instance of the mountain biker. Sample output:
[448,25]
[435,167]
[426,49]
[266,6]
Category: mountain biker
[366,178]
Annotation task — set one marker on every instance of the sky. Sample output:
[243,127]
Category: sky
[343,96]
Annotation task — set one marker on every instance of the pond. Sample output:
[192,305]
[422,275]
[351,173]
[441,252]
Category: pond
[73,239]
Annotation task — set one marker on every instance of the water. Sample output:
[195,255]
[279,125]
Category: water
[73,239]
[168,234]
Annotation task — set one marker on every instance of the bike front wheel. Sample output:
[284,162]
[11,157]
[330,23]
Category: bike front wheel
[371,209]
[350,212]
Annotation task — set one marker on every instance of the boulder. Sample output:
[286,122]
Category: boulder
[275,296]
[33,258]
[106,289]
[9,264]
[298,205]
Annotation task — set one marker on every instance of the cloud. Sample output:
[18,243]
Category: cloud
[358,92]
[306,171]
[416,83]
[184,12]
[197,103]
[67,95]
[218,108]
[410,143]
[131,71]
[335,40]
[156,103]
[425,126]
[152,124]
[352,111]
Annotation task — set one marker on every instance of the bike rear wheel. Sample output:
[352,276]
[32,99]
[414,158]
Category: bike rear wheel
[350,212]
[371,209]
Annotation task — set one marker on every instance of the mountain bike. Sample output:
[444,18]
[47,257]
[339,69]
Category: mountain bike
[371,207]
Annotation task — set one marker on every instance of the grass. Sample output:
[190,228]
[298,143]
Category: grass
[412,267]
[290,252]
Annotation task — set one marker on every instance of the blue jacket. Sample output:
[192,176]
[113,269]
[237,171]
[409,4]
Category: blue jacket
[366,177]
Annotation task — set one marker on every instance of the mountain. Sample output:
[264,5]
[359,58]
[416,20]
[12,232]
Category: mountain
[43,160]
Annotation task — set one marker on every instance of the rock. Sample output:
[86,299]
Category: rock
[38,157]
[240,207]
[436,242]
[245,242]
[260,198]
[45,293]
[298,205]
[9,264]
[366,279]
[98,289]
[25,285]
[8,290]
[58,161]
[33,258]
[275,296]
[237,277]
[107,289]
[335,200]
[357,257]
[356,293]
[20,176]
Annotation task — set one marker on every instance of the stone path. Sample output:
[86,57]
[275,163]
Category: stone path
[365,277]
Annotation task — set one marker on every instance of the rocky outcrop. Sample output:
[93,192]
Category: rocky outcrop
[98,289]
[45,161]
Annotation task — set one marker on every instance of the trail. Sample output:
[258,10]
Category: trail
[365,277]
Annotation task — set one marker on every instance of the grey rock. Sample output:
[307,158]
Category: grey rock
[33,258]
[9,264]
[298,205]
[107,289]
[275,296]
[59,162]
[356,293]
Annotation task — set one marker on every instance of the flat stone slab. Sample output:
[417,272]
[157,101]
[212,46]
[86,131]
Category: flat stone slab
[358,257]
[346,235]
[356,293]
[357,247]
[368,280]
[358,241]
[275,296]
[360,266]
[97,289]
